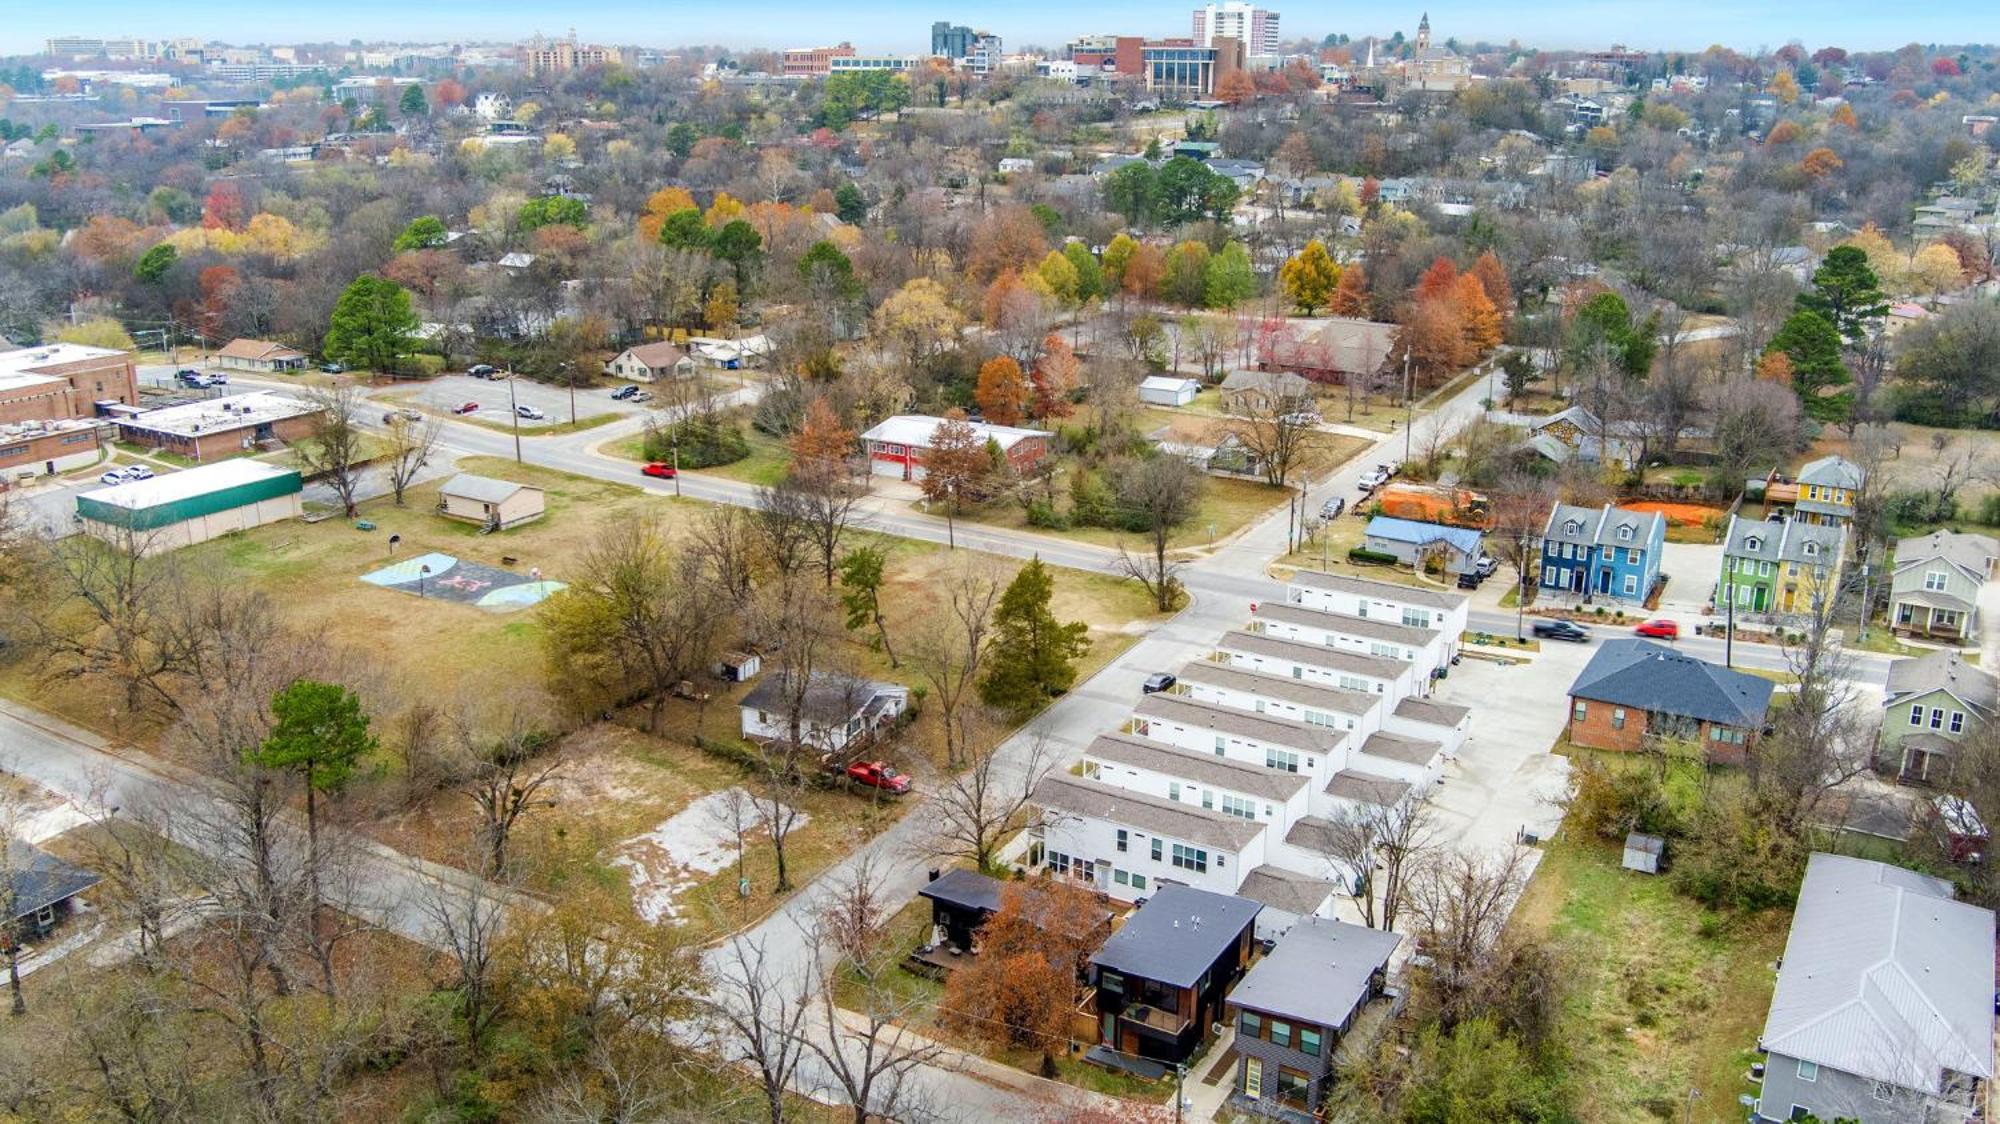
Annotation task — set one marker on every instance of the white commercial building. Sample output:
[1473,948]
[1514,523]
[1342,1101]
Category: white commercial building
[1256,28]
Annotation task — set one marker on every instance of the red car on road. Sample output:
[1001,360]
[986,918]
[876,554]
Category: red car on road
[466,408]
[663,471]
[879,774]
[1660,629]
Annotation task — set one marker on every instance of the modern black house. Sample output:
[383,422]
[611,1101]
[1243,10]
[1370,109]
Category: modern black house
[40,891]
[961,901]
[1295,1006]
[1161,978]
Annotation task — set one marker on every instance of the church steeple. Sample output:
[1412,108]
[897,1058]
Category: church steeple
[1424,33]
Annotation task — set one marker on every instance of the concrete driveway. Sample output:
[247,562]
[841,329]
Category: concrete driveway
[1691,569]
[1505,779]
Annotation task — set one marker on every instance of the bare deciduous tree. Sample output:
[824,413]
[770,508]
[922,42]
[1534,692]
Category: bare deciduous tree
[411,446]
[948,655]
[333,449]
[757,1017]
[1374,850]
[980,806]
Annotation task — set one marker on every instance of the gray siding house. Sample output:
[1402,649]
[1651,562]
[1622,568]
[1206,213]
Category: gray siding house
[1883,1010]
[1934,589]
[1931,704]
[1294,1007]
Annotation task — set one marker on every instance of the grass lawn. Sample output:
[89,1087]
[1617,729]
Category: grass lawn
[1228,505]
[134,451]
[557,429]
[1882,639]
[1666,996]
[764,467]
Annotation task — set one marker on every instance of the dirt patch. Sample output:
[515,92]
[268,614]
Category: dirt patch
[1678,514]
[693,843]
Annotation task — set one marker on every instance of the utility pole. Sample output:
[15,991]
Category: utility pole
[1729,629]
[1409,407]
[1861,625]
[514,410]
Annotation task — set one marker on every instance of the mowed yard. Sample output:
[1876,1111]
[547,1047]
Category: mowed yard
[1666,996]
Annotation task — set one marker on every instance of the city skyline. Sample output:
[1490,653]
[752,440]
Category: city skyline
[903,26]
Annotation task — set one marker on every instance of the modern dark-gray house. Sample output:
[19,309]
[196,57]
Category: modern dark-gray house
[1162,977]
[1883,1010]
[40,891]
[1294,1007]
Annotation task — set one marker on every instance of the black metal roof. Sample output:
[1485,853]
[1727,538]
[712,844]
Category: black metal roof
[38,880]
[966,889]
[1177,935]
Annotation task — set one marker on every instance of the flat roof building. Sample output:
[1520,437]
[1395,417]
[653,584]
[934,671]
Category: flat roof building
[64,380]
[178,509]
[220,427]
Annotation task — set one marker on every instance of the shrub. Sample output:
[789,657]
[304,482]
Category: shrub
[1363,556]
[704,442]
[1043,513]
[1989,510]
[1920,509]
[1609,803]
[1092,503]
[421,366]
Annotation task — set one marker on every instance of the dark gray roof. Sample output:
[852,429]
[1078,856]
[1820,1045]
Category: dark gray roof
[1314,834]
[1340,700]
[1318,973]
[1285,890]
[1268,728]
[1347,624]
[829,698]
[1312,655]
[1061,792]
[40,880]
[1387,591]
[1831,471]
[1944,670]
[1783,541]
[967,889]
[1431,711]
[1364,789]
[1177,935]
[1569,523]
[1884,976]
[1201,768]
[1655,678]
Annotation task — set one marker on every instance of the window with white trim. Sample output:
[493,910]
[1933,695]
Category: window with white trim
[1917,714]
[1808,1071]
[1958,722]
[1283,760]
[1934,581]
[1190,858]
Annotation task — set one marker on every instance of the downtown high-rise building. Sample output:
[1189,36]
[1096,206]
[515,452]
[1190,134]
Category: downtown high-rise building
[1256,28]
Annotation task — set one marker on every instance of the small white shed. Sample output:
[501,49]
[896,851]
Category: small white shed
[493,504]
[1165,390]
[1643,852]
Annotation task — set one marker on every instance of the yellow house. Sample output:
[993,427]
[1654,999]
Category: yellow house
[1824,493]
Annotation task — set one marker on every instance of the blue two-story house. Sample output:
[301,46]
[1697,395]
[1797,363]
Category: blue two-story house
[1609,553]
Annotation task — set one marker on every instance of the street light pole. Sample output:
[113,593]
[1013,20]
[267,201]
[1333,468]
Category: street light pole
[1409,406]
[677,463]
[514,410]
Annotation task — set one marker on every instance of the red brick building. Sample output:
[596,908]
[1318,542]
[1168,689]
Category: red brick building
[64,380]
[46,448]
[896,446]
[215,428]
[814,62]
[1635,689]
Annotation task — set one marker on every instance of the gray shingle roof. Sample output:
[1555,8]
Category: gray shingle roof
[1311,655]
[1061,792]
[1569,523]
[1266,728]
[1339,700]
[1943,670]
[1386,591]
[1831,471]
[1884,976]
[1783,541]
[1318,973]
[1395,747]
[829,698]
[1432,712]
[1177,935]
[1202,768]
[1364,789]
[1370,628]
[1657,679]
[41,880]
[1285,890]
[1968,552]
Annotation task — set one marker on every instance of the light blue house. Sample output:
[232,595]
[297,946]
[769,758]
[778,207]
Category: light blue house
[1610,553]
[1412,542]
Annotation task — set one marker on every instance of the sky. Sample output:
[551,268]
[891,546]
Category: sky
[899,25]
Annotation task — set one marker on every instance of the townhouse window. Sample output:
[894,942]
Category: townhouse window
[1934,581]
[1120,877]
[1298,672]
[1937,718]
[1238,806]
[1282,760]
[1417,618]
[1124,838]
[1903,613]
[1293,1086]
[1917,715]
[1309,1041]
[1958,722]
[1351,683]
[1207,799]
[1808,1071]
[1156,850]
[1631,584]
[1138,882]
[1111,982]
[1632,555]
[1618,718]
[1260,706]
[1250,1025]
[1281,1033]
[1763,569]
[1174,791]
[1190,858]
[1221,745]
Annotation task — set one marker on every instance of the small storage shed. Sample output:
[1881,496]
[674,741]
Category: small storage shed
[493,504]
[739,667]
[1165,390]
[1643,852]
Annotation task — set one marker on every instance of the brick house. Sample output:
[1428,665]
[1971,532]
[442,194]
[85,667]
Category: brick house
[64,380]
[897,445]
[1634,688]
[221,427]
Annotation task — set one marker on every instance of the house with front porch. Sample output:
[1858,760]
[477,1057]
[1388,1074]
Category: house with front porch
[1295,1006]
[1162,977]
[1778,567]
[1608,553]
[1823,493]
[1932,704]
[1934,586]
[838,714]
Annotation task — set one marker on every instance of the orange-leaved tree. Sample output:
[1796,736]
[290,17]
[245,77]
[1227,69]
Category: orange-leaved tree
[1350,297]
[1477,315]
[1439,282]
[1002,392]
[822,442]
[1054,380]
[1026,982]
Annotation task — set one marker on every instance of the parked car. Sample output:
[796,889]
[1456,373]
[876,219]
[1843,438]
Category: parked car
[481,371]
[194,379]
[624,392]
[1332,508]
[334,368]
[138,472]
[127,474]
[1372,479]
[407,415]
[1157,682]
[465,408]
[1562,630]
[643,396]
[1306,418]
[1486,566]
[879,774]
[1470,579]
[1659,628]
[186,373]
[218,379]
[663,471]
[529,412]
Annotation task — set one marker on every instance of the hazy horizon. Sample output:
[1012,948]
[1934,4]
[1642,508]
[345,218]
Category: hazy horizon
[900,26]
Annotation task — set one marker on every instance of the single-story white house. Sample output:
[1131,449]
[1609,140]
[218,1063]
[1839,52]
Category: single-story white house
[649,362]
[730,355]
[1165,390]
[838,712]
[496,504]
[259,355]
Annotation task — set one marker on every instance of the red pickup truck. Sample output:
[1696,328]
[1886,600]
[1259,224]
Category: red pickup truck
[877,774]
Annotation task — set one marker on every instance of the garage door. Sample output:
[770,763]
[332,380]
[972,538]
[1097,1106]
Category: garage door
[884,466]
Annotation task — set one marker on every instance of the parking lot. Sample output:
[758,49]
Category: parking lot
[448,392]
[1505,779]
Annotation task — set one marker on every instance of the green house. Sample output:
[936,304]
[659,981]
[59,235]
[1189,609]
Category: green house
[1933,703]
[1777,568]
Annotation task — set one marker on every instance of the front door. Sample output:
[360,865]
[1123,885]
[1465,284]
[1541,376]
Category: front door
[1604,581]
[1576,580]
